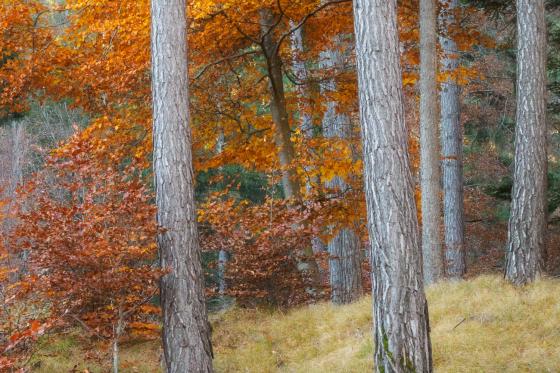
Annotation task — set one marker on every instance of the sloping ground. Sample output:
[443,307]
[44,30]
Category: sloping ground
[481,325]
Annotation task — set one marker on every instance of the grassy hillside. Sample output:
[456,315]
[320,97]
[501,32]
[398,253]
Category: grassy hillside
[481,325]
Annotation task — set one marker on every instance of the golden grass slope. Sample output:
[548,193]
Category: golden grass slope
[480,325]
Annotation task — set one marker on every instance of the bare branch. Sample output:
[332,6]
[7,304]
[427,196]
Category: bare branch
[228,58]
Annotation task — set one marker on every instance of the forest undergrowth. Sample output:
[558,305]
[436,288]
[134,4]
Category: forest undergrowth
[479,325]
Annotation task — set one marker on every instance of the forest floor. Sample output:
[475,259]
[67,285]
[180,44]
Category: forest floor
[479,325]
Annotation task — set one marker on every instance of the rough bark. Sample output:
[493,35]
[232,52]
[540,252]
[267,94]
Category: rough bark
[452,152]
[527,223]
[282,131]
[186,331]
[400,310]
[429,145]
[345,274]
[301,76]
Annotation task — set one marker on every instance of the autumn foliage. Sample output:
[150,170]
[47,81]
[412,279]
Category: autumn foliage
[85,223]
[87,231]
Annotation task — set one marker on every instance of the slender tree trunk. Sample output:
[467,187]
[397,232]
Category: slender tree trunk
[345,271]
[223,255]
[527,223]
[19,149]
[400,309]
[222,262]
[115,355]
[305,119]
[117,333]
[282,134]
[186,331]
[452,152]
[429,147]
[301,76]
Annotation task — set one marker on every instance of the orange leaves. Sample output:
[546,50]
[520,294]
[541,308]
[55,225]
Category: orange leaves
[264,242]
[89,230]
[462,75]
[23,44]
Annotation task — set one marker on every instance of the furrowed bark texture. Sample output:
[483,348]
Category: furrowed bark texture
[345,272]
[527,223]
[429,145]
[186,331]
[452,152]
[300,73]
[400,310]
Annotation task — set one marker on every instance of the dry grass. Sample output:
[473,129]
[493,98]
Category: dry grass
[480,325]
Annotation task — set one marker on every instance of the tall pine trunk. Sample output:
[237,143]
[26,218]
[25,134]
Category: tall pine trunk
[186,331]
[527,223]
[452,151]
[400,309]
[429,149]
[345,272]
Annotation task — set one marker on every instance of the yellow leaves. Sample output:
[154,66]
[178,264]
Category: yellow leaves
[409,79]
[462,75]
[200,9]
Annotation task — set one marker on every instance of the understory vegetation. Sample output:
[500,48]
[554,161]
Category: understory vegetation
[479,325]
[279,186]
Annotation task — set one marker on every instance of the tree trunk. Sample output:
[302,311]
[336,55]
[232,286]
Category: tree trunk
[305,119]
[452,152]
[282,135]
[115,355]
[19,149]
[429,149]
[400,309]
[117,333]
[301,76]
[223,255]
[222,262]
[345,271]
[282,131]
[527,222]
[186,331]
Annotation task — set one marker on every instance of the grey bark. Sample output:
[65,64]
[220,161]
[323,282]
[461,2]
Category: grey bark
[118,329]
[222,262]
[186,331]
[429,146]
[400,310]
[345,272]
[452,152]
[302,76]
[223,255]
[527,223]
[305,119]
[19,149]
